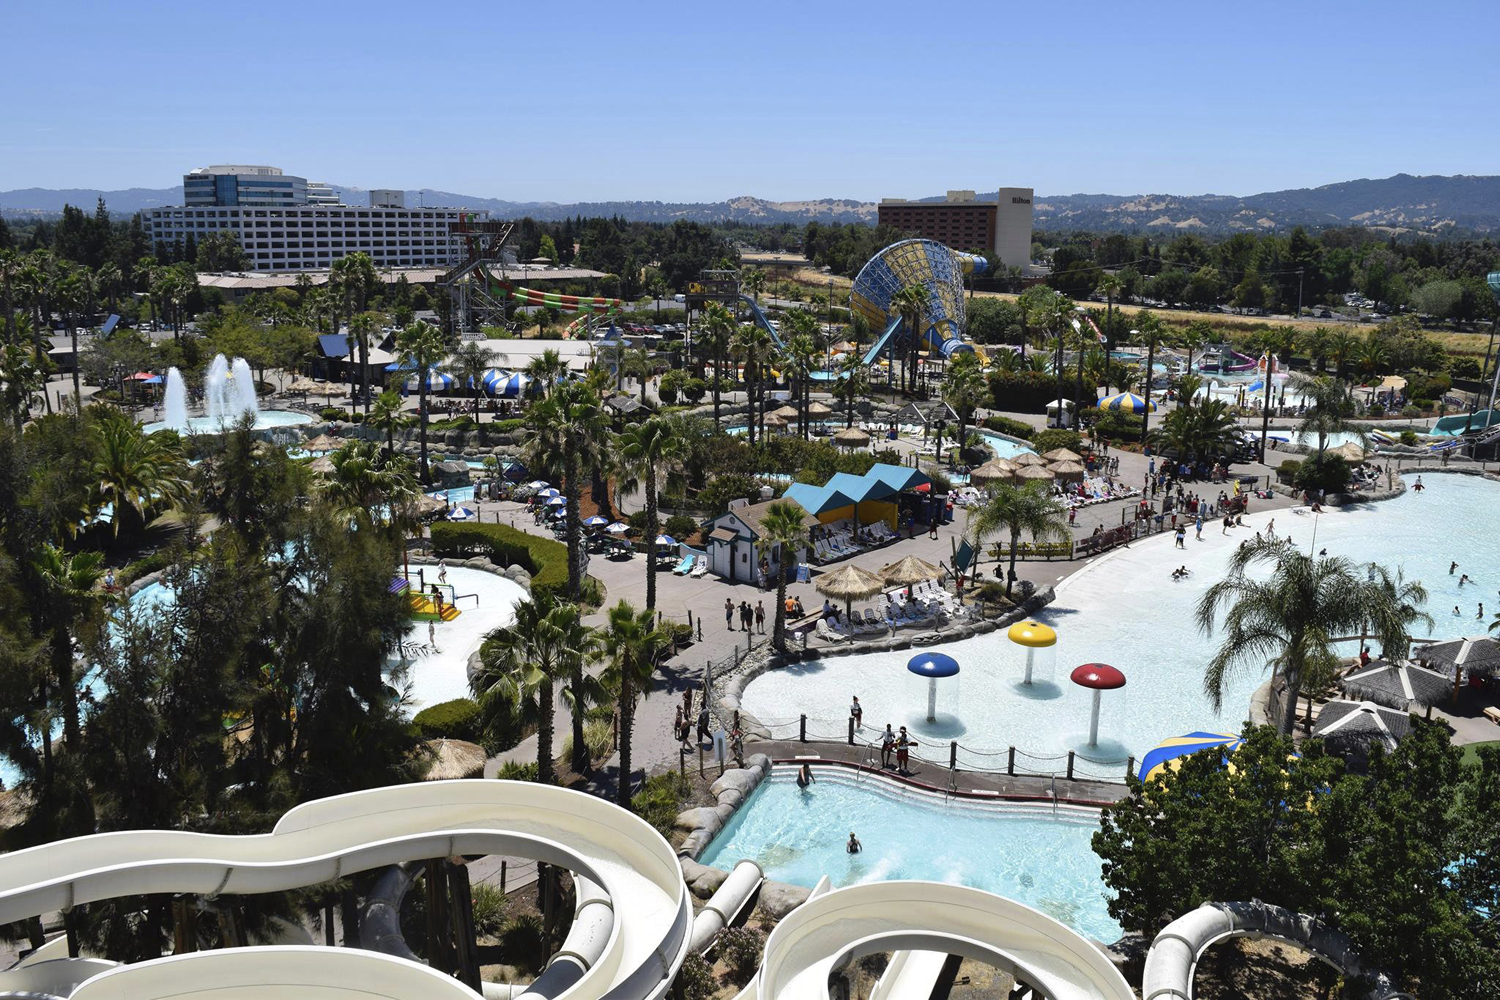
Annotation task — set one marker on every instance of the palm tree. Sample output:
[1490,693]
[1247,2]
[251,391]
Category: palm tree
[801,331]
[1341,348]
[521,663]
[1205,431]
[109,281]
[853,384]
[545,370]
[131,469]
[753,280]
[568,434]
[1289,620]
[1015,509]
[20,379]
[632,644]
[362,481]
[646,449]
[714,334]
[911,303]
[420,349]
[1373,355]
[1195,336]
[354,279]
[964,389]
[637,361]
[752,343]
[1153,333]
[783,527]
[72,296]
[386,416]
[1111,285]
[470,362]
[1329,411]
[69,594]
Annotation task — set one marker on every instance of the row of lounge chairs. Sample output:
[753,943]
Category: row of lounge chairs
[929,606]
[691,565]
[842,540]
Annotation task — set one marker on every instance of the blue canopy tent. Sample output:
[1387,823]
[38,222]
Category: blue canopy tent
[436,381]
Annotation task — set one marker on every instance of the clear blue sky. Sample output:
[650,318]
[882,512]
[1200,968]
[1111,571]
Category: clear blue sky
[695,102]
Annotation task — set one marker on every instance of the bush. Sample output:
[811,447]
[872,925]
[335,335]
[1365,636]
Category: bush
[1332,475]
[1114,425]
[1420,386]
[660,800]
[507,426]
[990,592]
[715,496]
[522,943]
[598,741]
[1409,437]
[1026,391]
[940,481]
[697,979]
[1286,472]
[489,909]
[1415,410]
[333,413]
[1377,409]
[681,527]
[1048,440]
[144,566]
[450,424]
[545,559]
[454,720]
[1006,425]
[741,949]
[518,771]
[694,389]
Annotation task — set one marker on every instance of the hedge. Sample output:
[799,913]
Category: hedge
[454,720]
[1054,438]
[545,559]
[1005,425]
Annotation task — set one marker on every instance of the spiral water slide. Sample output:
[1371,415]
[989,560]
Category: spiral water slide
[916,920]
[637,944]
[916,262]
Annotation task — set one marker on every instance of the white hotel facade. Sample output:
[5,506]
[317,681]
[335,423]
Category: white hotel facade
[285,223]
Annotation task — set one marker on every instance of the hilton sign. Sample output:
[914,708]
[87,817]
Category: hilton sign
[1020,201]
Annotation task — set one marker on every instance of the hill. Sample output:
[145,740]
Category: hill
[1435,205]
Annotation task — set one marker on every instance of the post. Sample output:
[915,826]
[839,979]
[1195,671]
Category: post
[851,730]
[802,728]
[700,758]
[349,918]
[184,925]
[328,941]
[466,948]
[435,891]
[952,755]
[503,863]
[1130,766]
[1070,765]
[1010,765]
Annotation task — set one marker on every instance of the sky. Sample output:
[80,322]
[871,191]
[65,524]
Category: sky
[585,101]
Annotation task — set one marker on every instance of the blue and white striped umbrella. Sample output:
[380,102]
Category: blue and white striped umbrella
[436,381]
[595,521]
[491,380]
[510,386]
[556,501]
[549,493]
[665,540]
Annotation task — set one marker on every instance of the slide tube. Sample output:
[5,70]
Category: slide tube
[725,904]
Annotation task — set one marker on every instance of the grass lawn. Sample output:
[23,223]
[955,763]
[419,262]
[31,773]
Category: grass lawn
[1471,750]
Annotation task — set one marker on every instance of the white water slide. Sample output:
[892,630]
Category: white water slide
[924,918]
[646,941]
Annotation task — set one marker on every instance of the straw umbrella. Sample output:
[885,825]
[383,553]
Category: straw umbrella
[851,437]
[1478,654]
[1062,455]
[1028,458]
[323,442]
[995,471]
[1398,685]
[323,465]
[818,410]
[850,584]
[1034,473]
[1068,472]
[304,385]
[774,422]
[907,571]
[1349,451]
[453,759]
[1354,725]
[784,412]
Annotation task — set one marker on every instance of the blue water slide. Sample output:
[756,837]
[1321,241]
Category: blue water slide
[874,352]
[765,324]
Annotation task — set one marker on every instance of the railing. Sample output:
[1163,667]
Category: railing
[955,757]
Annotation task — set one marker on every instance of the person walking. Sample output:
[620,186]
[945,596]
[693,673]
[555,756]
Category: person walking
[887,745]
[1198,526]
[432,636]
[729,614]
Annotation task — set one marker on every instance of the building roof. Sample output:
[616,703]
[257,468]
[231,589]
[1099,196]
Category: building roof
[752,514]
[256,281]
[898,477]
[817,499]
[333,345]
[861,488]
[723,534]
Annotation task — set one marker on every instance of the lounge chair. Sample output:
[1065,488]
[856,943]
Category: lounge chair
[700,567]
[681,568]
[873,621]
[827,634]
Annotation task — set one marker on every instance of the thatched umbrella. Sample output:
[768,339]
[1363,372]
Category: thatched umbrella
[1349,451]
[323,442]
[1062,455]
[818,410]
[995,471]
[1478,654]
[775,422]
[1068,472]
[305,385]
[1401,686]
[429,505]
[323,465]
[1351,726]
[453,759]
[851,437]
[1028,458]
[844,345]
[849,584]
[907,571]
[1034,474]
[785,413]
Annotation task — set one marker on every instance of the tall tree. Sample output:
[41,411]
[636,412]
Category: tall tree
[70,595]
[752,343]
[911,303]
[964,389]
[784,528]
[1330,410]
[470,362]
[713,335]
[566,435]
[1110,285]
[419,349]
[1013,509]
[132,470]
[633,644]
[647,449]
[354,279]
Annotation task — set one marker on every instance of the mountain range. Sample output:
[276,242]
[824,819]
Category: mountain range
[1404,203]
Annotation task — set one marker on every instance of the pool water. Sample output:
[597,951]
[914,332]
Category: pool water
[1003,447]
[458,494]
[1017,851]
[263,419]
[1125,609]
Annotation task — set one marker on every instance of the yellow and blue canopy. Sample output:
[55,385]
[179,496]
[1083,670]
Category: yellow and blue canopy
[1168,756]
[1127,401]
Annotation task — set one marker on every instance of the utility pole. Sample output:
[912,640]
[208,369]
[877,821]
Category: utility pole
[1265,409]
[1299,293]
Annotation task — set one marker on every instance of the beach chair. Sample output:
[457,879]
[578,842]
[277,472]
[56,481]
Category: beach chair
[871,619]
[682,567]
[700,567]
[827,634]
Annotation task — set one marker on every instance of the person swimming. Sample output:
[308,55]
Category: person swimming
[854,846]
[805,776]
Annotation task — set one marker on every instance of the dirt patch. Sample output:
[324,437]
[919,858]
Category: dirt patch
[1243,969]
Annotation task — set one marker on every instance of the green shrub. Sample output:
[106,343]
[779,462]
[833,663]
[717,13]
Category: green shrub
[450,424]
[715,496]
[1377,409]
[546,560]
[333,413]
[522,943]
[454,720]
[489,909]
[1114,425]
[144,566]
[990,592]
[1332,474]
[660,800]
[1286,472]
[694,389]
[598,741]
[513,770]
[1007,425]
[1420,386]
[697,979]
[741,949]
[1048,440]
[681,527]
[1415,411]
[507,426]
[1409,437]
[940,481]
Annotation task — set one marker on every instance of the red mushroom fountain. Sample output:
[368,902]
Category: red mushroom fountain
[1099,677]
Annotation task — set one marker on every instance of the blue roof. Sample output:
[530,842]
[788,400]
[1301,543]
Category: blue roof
[817,499]
[861,488]
[333,345]
[898,477]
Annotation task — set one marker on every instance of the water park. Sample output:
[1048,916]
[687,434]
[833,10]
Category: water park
[427,693]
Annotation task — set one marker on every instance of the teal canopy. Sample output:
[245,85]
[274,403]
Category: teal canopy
[897,477]
[817,499]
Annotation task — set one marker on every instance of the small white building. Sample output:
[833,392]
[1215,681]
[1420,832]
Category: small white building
[734,546]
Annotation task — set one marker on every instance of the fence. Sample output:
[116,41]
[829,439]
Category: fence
[954,756]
